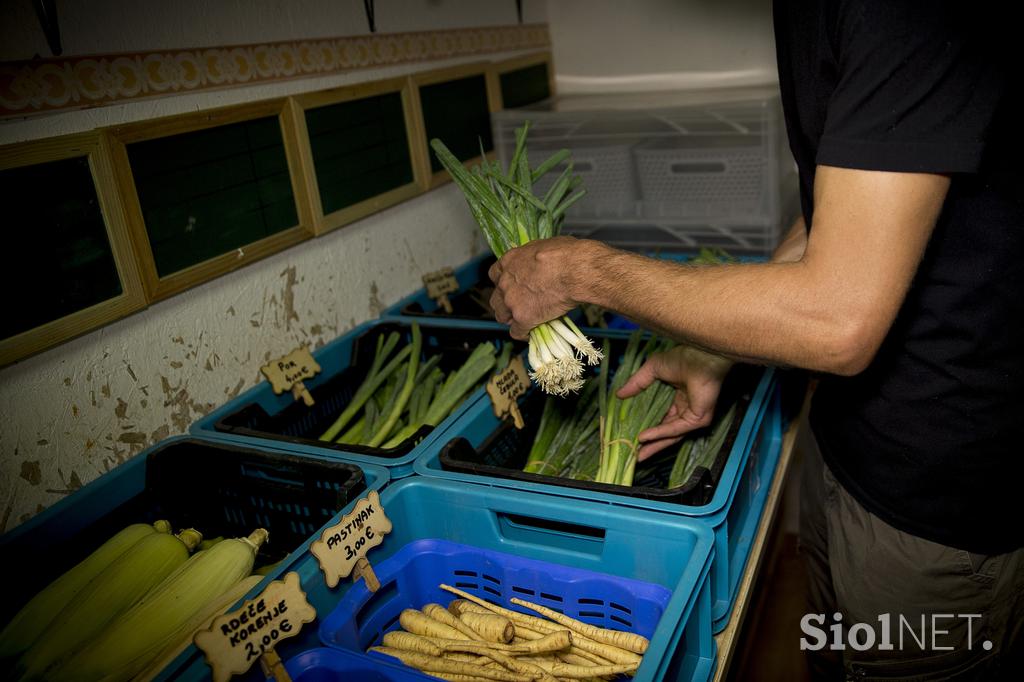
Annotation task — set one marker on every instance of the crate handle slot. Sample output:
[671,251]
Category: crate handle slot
[697,167]
[378,601]
[558,534]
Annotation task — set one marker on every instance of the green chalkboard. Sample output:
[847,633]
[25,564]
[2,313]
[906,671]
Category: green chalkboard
[59,256]
[209,192]
[360,149]
[525,86]
[456,112]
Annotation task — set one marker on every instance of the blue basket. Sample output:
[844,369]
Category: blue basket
[735,502]
[671,551]
[218,488]
[361,617]
[258,417]
[473,282]
[330,665]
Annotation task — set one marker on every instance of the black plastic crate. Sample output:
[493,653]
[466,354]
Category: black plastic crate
[303,425]
[218,488]
[472,303]
[504,453]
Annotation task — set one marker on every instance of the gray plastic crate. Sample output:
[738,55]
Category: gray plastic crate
[668,170]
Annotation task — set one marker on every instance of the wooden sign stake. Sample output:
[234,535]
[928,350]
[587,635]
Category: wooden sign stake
[364,570]
[299,391]
[273,667]
[505,388]
[439,284]
[341,549]
[287,374]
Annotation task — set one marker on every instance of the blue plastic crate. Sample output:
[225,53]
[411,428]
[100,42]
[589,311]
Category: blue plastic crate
[668,550]
[733,506]
[361,618]
[280,422]
[331,665]
[218,488]
[473,281]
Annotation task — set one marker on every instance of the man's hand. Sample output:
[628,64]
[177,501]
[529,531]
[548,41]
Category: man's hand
[534,283]
[697,377]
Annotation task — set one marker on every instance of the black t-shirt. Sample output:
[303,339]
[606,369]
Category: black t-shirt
[930,437]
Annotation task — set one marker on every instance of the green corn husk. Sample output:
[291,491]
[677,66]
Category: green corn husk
[33,618]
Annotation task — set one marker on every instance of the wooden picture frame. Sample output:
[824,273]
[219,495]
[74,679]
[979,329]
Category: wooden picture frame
[515,64]
[158,287]
[95,147]
[323,223]
[433,77]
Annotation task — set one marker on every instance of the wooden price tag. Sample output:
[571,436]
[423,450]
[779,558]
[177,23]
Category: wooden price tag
[288,372]
[505,387]
[439,284]
[341,549]
[236,640]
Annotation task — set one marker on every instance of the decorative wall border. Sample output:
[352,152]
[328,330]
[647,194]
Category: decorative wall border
[38,86]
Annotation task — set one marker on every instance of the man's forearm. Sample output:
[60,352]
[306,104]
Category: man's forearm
[830,310]
[764,313]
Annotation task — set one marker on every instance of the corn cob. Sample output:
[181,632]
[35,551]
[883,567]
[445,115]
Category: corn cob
[107,596]
[133,640]
[201,621]
[207,544]
[32,619]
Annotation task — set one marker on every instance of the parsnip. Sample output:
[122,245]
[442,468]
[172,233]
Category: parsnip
[624,640]
[442,615]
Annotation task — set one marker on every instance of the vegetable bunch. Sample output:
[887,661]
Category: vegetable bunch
[595,438]
[622,419]
[474,639]
[510,215]
[403,392]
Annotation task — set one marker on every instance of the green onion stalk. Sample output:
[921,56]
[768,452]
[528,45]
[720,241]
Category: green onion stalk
[623,419]
[403,392]
[700,452]
[510,215]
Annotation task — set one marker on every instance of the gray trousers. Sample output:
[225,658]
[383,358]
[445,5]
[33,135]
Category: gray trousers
[952,614]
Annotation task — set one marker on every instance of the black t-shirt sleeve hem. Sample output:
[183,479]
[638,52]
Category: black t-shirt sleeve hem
[905,157]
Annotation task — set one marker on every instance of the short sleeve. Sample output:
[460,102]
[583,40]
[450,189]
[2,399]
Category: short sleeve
[919,86]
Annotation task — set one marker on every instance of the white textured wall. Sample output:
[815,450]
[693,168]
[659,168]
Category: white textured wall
[71,413]
[603,45]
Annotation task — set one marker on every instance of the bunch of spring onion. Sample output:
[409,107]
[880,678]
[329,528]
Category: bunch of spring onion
[403,392]
[700,452]
[566,443]
[623,419]
[712,255]
[510,215]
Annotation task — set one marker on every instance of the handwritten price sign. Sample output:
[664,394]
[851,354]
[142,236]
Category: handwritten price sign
[439,284]
[288,372]
[344,545]
[506,387]
[236,640]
